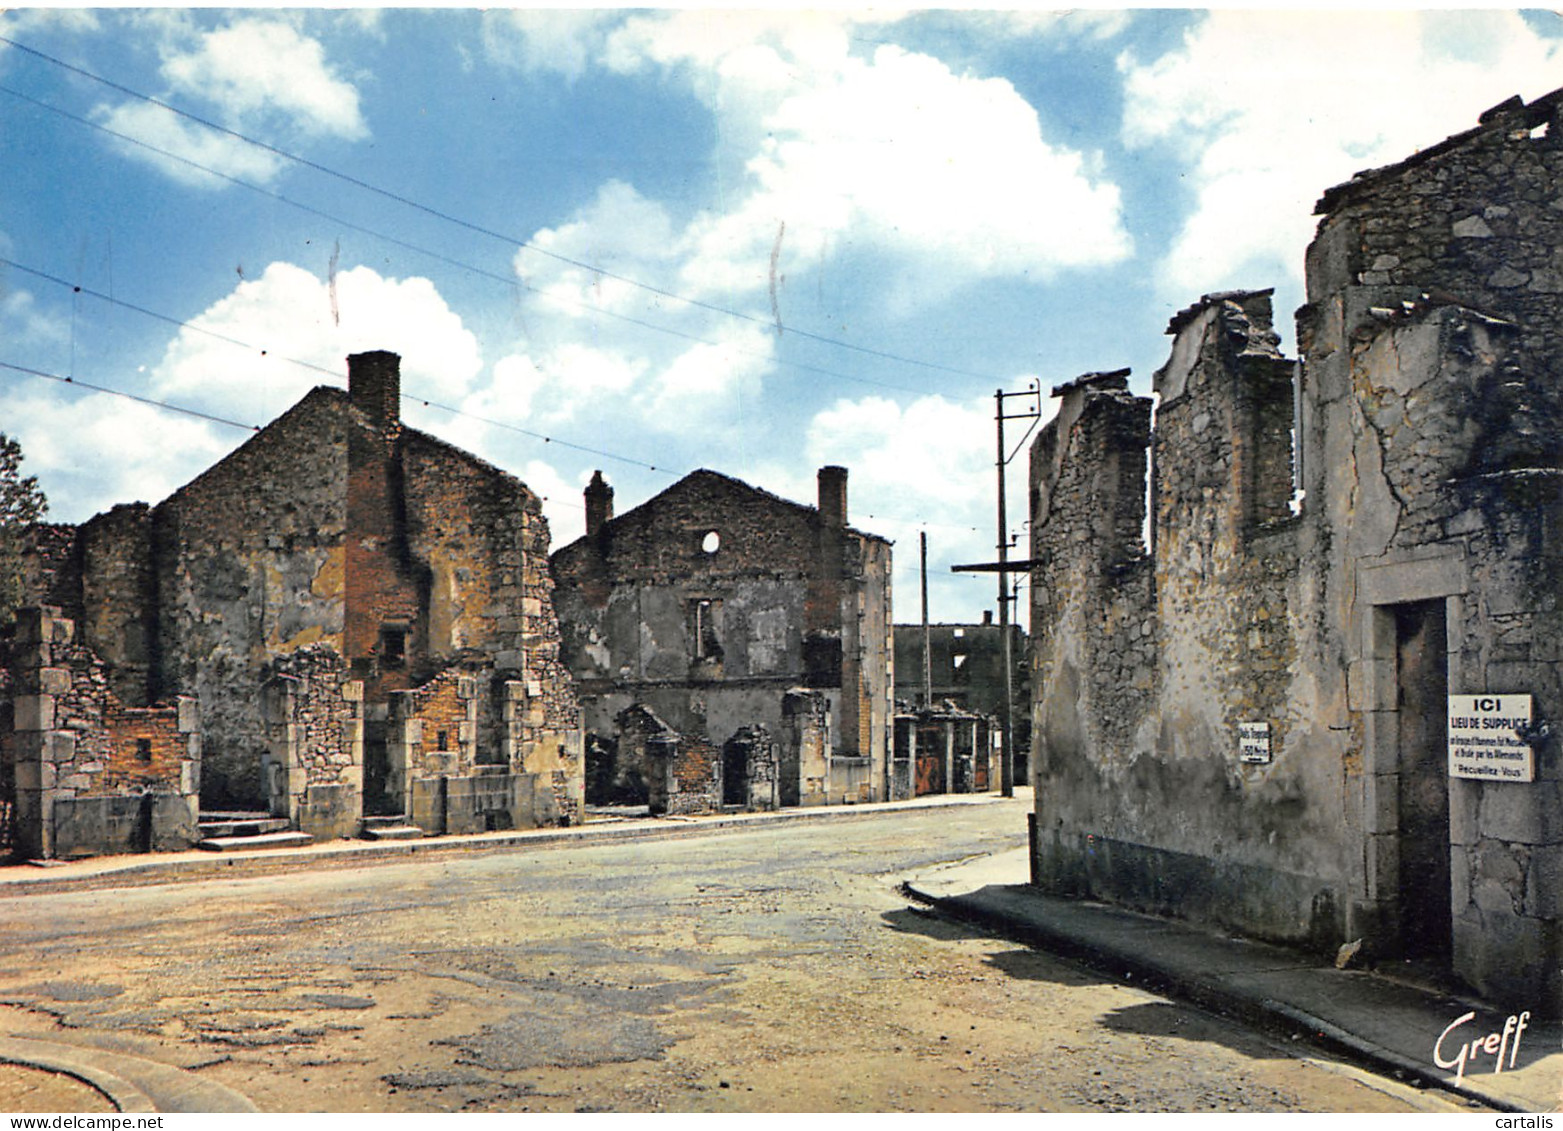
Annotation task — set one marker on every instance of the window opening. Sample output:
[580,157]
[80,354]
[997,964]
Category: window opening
[144,749]
[707,646]
[393,647]
[712,542]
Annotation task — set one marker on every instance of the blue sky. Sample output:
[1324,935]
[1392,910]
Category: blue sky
[753,241]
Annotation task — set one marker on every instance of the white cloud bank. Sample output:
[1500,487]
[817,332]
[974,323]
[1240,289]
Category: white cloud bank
[294,316]
[1272,108]
[938,178]
[257,76]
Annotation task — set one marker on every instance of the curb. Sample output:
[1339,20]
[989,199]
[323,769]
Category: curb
[132,1083]
[1273,1016]
[124,1095]
[351,853]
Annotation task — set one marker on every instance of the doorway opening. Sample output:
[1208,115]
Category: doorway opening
[1421,694]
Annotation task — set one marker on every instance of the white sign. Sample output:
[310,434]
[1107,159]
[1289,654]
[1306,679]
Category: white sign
[1253,742]
[1484,742]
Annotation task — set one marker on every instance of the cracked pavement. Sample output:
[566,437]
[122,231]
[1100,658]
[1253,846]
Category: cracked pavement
[774,968]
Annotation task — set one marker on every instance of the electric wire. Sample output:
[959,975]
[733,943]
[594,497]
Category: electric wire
[169,406]
[508,281]
[505,280]
[479,229]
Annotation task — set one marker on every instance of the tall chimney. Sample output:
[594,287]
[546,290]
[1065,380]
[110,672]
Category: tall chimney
[833,497]
[374,385]
[599,504]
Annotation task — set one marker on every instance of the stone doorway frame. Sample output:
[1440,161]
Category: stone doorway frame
[1373,686]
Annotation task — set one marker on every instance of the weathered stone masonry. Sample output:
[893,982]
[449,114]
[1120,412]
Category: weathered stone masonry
[1422,561]
[336,561]
[709,606]
[87,773]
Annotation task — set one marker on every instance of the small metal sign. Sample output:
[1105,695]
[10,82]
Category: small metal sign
[1484,739]
[1253,742]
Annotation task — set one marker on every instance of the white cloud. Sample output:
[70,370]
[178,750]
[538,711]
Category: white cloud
[94,451]
[934,178]
[901,153]
[921,467]
[588,356]
[1076,24]
[258,66]
[895,154]
[185,145]
[1272,108]
[296,317]
[21,321]
[255,76]
[561,40]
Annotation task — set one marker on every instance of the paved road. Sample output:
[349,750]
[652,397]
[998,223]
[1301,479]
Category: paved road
[773,969]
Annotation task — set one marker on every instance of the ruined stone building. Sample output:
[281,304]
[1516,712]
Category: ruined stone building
[344,618]
[966,667]
[730,648]
[1302,714]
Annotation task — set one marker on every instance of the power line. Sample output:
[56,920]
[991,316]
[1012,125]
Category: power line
[515,241]
[333,373]
[504,280]
[169,406]
[80,384]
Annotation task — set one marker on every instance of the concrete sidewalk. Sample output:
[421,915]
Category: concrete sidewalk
[1390,1025]
[170,867]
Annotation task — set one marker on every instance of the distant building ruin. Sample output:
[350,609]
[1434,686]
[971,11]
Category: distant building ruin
[1248,721]
[346,617]
[755,632]
[966,668]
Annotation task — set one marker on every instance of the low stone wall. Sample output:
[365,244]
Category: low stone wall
[91,775]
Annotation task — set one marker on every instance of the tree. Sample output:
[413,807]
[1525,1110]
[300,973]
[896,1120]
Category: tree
[22,503]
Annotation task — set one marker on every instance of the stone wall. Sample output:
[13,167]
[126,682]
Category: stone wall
[251,566]
[335,528]
[1244,722]
[711,601]
[314,766]
[90,774]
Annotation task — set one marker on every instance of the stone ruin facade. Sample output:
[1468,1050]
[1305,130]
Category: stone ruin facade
[346,617]
[754,630]
[944,749]
[1247,720]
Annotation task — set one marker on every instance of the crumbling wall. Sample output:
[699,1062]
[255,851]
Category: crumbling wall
[90,774]
[1433,394]
[1150,666]
[118,597]
[251,565]
[803,743]
[314,765]
[1249,726]
[712,600]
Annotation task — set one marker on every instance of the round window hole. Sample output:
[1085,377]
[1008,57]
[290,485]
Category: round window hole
[711,543]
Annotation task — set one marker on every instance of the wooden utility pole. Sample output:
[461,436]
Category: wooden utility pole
[922,538]
[1004,567]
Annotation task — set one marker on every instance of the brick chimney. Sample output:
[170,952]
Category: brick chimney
[833,497]
[374,385]
[599,504]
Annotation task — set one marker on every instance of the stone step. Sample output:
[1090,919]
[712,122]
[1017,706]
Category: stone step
[234,824]
[385,820]
[399,831]
[265,840]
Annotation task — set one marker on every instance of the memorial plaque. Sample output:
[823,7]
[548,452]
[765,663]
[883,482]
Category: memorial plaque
[1253,742]
[1484,741]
